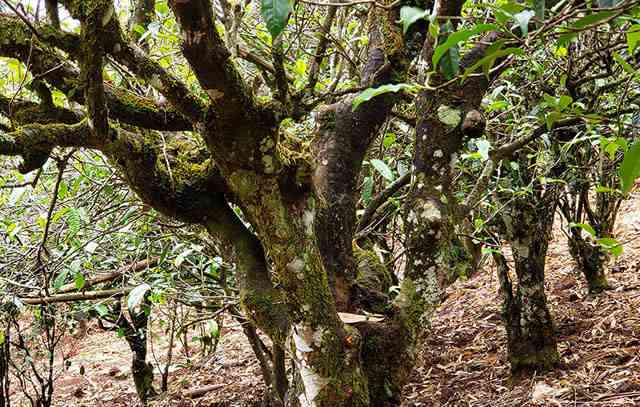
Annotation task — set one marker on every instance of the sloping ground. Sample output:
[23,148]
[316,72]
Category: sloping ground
[464,360]
[105,360]
[598,338]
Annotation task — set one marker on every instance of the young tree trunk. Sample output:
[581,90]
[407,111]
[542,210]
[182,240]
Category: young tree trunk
[135,333]
[531,344]
[590,260]
[4,369]
[141,370]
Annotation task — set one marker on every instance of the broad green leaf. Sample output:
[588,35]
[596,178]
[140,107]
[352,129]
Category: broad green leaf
[587,228]
[450,62]
[137,295]
[564,101]
[1,338]
[389,140]
[214,329]
[383,169]
[611,245]
[522,18]
[592,19]
[409,15]
[162,8]
[552,117]
[456,37]
[370,93]
[633,36]
[630,167]
[276,15]
[79,281]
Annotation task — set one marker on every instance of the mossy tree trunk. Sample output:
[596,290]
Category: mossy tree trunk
[591,261]
[590,257]
[531,343]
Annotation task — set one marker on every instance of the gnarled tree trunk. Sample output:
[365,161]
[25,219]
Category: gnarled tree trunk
[531,343]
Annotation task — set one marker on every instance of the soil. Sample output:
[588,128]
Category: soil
[463,361]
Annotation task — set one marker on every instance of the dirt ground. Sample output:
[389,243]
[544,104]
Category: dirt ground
[464,359]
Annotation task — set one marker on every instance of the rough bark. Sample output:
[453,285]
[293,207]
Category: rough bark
[590,260]
[531,343]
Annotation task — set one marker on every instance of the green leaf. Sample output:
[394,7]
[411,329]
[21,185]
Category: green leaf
[624,64]
[409,15]
[62,190]
[60,279]
[552,117]
[592,19]
[522,18]
[137,295]
[611,245]
[456,37]
[79,281]
[73,222]
[630,167]
[389,140]
[450,62]
[214,329]
[383,169]
[633,36]
[587,228]
[564,101]
[101,309]
[488,60]
[370,93]
[1,338]
[605,190]
[162,8]
[276,15]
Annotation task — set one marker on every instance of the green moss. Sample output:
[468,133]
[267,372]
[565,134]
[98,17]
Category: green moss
[372,274]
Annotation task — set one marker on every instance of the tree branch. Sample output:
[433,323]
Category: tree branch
[210,59]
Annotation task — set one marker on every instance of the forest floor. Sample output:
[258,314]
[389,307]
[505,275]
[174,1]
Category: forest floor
[464,360]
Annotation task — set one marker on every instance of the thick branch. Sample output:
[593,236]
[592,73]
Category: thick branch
[343,137]
[91,65]
[210,59]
